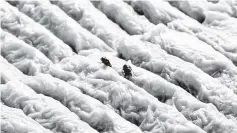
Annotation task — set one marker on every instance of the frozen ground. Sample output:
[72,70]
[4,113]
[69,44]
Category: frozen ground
[168,66]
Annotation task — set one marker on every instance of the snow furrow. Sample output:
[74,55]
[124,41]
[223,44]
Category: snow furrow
[99,116]
[196,9]
[191,49]
[219,40]
[222,23]
[96,108]
[33,33]
[15,121]
[204,115]
[48,112]
[6,69]
[21,54]
[124,15]
[93,20]
[129,100]
[157,11]
[63,26]
[179,72]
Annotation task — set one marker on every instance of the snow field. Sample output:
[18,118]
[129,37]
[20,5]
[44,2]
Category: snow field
[220,41]
[157,11]
[93,20]
[21,54]
[15,121]
[191,49]
[33,33]
[179,72]
[204,115]
[130,101]
[124,15]
[184,75]
[45,110]
[59,23]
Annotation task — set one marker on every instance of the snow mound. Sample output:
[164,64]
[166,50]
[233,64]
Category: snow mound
[130,101]
[45,110]
[99,116]
[124,15]
[33,33]
[191,49]
[93,20]
[21,54]
[204,115]
[15,121]
[59,23]
[179,72]
[157,11]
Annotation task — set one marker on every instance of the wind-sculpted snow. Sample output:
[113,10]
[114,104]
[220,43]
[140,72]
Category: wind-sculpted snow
[191,49]
[124,15]
[33,33]
[197,8]
[219,40]
[63,26]
[130,101]
[221,22]
[179,72]
[93,20]
[15,121]
[23,56]
[6,71]
[48,112]
[157,11]
[204,115]
[99,116]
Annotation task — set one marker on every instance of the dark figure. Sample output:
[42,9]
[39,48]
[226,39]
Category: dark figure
[105,61]
[127,70]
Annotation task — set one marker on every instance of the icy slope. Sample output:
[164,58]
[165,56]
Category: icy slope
[219,40]
[197,8]
[63,26]
[93,20]
[191,49]
[124,15]
[33,33]
[45,110]
[21,54]
[157,11]
[15,121]
[130,101]
[204,115]
[177,71]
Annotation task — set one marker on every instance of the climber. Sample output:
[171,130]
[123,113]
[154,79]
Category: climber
[105,61]
[127,70]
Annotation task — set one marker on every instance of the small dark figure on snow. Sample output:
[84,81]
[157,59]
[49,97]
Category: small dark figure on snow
[127,70]
[105,61]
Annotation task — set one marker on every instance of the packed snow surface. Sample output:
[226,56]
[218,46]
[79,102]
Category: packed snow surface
[117,66]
